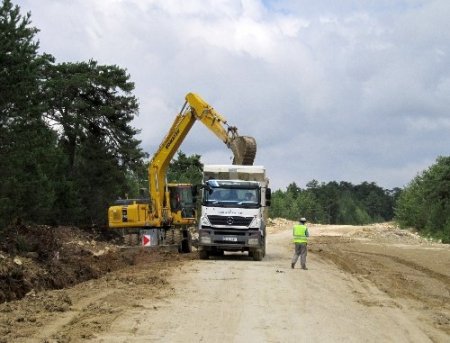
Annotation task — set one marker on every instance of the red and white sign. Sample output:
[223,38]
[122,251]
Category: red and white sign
[146,240]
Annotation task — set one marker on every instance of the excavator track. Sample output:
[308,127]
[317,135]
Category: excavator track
[244,150]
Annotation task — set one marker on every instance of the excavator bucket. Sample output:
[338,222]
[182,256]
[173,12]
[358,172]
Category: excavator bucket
[244,150]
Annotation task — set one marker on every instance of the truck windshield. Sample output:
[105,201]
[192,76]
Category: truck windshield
[231,197]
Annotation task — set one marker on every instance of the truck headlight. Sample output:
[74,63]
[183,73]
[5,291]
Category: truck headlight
[205,239]
[256,223]
[204,221]
[253,241]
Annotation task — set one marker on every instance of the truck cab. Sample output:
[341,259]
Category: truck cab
[233,214]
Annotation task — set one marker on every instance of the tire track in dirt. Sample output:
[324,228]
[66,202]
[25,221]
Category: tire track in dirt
[405,279]
[435,275]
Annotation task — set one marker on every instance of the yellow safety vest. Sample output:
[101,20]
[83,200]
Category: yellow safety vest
[299,232]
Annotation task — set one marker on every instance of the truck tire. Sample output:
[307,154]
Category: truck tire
[216,252]
[258,255]
[186,243]
[264,247]
[203,254]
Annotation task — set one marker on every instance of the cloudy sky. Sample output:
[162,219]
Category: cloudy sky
[351,90]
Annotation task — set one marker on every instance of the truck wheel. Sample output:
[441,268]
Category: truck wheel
[217,252]
[258,255]
[203,254]
[186,243]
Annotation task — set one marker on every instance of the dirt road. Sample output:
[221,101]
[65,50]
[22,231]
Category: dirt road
[364,284]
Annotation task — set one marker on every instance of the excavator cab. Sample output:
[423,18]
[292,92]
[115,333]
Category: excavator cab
[182,202]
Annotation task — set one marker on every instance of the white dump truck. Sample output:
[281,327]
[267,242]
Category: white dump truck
[234,211]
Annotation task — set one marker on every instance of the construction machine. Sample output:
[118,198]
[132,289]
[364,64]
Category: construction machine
[165,217]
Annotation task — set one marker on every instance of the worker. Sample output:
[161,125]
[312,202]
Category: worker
[249,196]
[300,239]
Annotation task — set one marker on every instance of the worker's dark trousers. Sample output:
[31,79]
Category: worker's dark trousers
[300,250]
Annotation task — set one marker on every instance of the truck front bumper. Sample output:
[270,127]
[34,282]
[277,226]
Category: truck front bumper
[230,239]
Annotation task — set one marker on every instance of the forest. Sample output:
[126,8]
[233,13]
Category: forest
[335,203]
[68,149]
[66,139]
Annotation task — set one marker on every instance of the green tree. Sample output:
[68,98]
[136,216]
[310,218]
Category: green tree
[89,99]
[425,202]
[277,206]
[27,190]
[351,212]
[137,181]
[329,199]
[410,207]
[92,107]
[310,207]
[27,146]
[66,141]
[21,67]
[99,178]
[335,203]
[185,168]
[293,190]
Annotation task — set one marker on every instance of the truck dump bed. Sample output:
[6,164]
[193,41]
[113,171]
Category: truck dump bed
[235,172]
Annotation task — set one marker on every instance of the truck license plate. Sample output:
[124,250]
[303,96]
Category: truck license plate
[230,238]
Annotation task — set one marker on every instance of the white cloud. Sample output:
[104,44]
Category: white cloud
[354,91]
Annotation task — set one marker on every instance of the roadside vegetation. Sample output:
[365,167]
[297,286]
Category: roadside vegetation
[425,202]
[335,203]
[68,149]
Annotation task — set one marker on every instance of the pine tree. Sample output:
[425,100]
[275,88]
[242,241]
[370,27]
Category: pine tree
[93,107]
[27,145]
[87,99]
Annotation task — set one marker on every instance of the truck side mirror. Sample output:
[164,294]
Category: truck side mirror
[205,186]
[268,194]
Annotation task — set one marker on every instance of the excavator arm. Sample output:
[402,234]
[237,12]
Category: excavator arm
[243,147]
[195,108]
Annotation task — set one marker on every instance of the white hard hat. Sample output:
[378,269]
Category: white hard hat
[303,219]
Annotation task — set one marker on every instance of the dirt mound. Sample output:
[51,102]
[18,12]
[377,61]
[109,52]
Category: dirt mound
[275,225]
[35,258]
[391,232]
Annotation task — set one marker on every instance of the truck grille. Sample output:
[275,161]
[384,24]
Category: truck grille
[230,220]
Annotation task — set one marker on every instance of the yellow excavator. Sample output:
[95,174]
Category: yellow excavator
[165,217]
